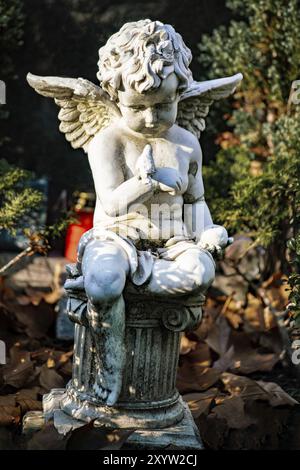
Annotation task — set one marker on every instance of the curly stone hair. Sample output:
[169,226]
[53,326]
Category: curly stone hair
[141,55]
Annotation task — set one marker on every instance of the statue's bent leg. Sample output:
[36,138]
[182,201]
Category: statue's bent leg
[105,267]
[191,272]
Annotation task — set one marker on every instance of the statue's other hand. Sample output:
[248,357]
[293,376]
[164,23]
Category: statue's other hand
[214,238]
[169,180]
[74,284]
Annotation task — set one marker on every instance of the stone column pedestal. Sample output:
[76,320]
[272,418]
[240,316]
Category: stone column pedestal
[149,401]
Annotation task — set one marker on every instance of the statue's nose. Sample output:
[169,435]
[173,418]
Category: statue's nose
[150,117]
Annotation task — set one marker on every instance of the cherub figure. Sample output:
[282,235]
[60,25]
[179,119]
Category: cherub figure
[140,129]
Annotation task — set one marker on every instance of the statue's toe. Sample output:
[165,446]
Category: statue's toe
[100,392]
[112,398]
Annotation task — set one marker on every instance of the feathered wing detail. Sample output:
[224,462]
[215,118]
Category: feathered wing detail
[195,101]
[85,108]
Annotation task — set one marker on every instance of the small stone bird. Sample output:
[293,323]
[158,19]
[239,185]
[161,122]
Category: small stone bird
[145,164]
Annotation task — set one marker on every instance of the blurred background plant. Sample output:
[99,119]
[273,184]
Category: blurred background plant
[294,283]
[18,197]
[259,158]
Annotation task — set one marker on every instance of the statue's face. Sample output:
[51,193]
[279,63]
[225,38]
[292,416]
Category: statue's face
[152,112]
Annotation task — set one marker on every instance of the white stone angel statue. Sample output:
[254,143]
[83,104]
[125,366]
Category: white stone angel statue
[140,129]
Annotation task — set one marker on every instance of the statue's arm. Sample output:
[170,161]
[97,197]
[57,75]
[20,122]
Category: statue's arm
[114,192]
[196,212]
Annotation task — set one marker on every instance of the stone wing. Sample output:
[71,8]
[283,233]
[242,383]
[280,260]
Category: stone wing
[85,108]
[195,101]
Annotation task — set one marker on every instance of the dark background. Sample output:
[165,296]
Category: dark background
[62,37]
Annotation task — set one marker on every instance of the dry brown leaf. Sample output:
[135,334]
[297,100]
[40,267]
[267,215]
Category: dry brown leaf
[7,400]
[49,378]
[199,403]
[211,312]
[246,359]
[47,439]
[27,393]
[254,313]
[10,412]
[278,397]
[64,357]
[251,390]
[275,291]
[186,345]
[90,437]
[226,361]
[235,319]
[194,378]
[200,355]
[232,410]
[26,404]
[249,361]
[269,319]
[50,363]
[218,336]
[9,415]
[66,369]
[36,320]
[19,376]
[243,386]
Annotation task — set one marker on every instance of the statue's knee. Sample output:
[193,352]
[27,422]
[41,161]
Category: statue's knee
[201,267]
[104,286]
[205,271]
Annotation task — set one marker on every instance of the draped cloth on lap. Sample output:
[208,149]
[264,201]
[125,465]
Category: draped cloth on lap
[140,261]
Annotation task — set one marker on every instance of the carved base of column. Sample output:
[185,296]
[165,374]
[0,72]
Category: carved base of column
[183,435]
[124,415]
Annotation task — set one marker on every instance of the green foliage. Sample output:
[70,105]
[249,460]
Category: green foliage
[259,160]
[294,279]
[16,200]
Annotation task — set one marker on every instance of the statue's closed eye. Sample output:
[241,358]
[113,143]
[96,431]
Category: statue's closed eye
[138,108]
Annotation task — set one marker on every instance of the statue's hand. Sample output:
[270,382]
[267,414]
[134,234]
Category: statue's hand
[163,179]
[214,239]
[169,180]
[74,284]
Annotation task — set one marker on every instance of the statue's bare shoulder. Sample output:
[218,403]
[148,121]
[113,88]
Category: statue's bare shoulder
[108,139]
[189,141]
[105,154]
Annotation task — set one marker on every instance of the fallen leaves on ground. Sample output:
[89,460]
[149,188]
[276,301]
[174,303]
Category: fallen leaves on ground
[86,437]
[238,337]
[235,341]
[259,409]
[34,366]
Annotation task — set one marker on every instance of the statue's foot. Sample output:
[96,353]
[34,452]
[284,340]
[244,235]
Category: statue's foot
[108,395]
[100,392]
[113,397]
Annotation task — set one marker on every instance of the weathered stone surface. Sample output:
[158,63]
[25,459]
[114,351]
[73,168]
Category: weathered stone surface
[64,326]
[33,421]
[148,397]
[183,435]
[51,402]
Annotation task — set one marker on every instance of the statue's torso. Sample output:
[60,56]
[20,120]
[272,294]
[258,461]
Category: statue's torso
[162,209]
